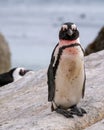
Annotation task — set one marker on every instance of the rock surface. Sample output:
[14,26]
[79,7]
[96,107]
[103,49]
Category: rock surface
[24,106]
[5,55]
[97,44]
[97,126]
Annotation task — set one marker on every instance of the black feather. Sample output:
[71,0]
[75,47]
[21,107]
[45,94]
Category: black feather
[7,77]
[51,78]
[83,90]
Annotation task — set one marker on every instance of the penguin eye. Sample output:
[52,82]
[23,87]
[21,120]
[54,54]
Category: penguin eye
[22,72]
[74,28]
[64,27]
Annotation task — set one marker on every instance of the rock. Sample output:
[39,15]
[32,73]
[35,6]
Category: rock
[97,126]
[5,55]
[24,105]
[97,44]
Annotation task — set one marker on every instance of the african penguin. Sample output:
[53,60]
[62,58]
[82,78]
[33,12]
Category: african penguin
[66,73]
[13,75]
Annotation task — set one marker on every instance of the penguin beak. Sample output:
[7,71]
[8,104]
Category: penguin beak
[70,32]
[26,71]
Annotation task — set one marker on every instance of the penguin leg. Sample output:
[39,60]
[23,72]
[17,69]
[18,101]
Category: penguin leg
[77,111]
[64,112]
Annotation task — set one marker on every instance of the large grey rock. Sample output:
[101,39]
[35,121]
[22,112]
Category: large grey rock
[5,55]
[24,106]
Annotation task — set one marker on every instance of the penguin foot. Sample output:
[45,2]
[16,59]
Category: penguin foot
[77,111]
[66,113]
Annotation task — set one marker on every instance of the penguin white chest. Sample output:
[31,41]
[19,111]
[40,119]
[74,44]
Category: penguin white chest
[69,80]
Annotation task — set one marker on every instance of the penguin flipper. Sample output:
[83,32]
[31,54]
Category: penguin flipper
[51,78]
[51,83]
[83,90]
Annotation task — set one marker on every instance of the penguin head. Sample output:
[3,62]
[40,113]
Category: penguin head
[18,73]
[68,31]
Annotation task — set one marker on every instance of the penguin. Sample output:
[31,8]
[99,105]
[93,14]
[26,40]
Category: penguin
[13,75]
[66,73]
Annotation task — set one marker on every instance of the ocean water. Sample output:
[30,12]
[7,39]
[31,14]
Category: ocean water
[31,26]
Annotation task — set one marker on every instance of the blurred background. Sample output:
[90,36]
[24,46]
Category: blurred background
[31,26]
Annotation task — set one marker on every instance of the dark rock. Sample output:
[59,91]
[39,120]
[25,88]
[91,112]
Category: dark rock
[97,44]
[5,55]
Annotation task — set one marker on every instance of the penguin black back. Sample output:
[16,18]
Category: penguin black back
[7,77]
[12,75]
